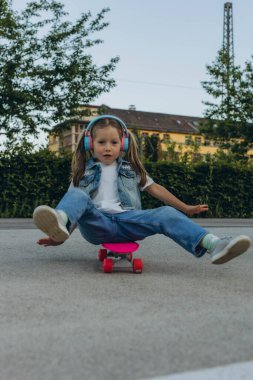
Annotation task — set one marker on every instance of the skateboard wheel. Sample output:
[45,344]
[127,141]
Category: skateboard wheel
[102,254]
[137,265]
[108,265]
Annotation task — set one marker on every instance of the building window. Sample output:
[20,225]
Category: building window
[197,156]
[166,137]
[67,140]
[188,140]
[198,140]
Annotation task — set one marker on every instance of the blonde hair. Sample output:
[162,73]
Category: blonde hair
[81,156]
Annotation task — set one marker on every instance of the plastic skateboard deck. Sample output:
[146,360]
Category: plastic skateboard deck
[114,253]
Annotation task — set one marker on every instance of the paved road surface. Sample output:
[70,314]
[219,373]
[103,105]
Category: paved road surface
[62,318]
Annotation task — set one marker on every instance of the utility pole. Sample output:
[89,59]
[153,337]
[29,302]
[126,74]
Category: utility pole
[228,38]
[228,45]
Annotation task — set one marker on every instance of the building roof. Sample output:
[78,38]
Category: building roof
[150,121]
[159,122]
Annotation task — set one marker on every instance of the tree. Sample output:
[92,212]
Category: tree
[171,154]
[230,117]
[46,71]
[152,147]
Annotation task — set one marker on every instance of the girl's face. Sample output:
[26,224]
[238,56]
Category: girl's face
[106,144]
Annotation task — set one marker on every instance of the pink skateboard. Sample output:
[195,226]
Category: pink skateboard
[113,253]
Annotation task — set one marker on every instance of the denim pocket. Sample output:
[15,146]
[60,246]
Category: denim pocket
[128,179]
[86,180]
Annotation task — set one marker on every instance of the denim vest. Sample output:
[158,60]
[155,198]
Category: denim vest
[128,189]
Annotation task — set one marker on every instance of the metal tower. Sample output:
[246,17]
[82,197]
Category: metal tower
[228,52]
[228,39]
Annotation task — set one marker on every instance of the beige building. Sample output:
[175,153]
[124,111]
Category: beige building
[181,131]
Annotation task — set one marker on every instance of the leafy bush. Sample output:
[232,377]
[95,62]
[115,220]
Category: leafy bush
[29,178]
[226,188]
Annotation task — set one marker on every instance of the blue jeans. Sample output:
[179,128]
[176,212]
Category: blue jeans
[98,227]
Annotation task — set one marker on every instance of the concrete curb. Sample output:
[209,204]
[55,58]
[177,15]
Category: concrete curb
[27,223]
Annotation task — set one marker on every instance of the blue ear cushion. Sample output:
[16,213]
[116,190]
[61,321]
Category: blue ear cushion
[87,143]
[124,144]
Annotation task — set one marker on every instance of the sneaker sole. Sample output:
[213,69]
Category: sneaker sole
[46,220]
[236,248]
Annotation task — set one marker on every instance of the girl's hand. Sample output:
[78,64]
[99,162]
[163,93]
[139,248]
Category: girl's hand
[191,210]
[48,242]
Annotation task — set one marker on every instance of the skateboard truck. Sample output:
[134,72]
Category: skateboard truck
[115,253]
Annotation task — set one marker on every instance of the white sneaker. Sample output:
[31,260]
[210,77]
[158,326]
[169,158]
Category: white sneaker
[227,249]
[50,221]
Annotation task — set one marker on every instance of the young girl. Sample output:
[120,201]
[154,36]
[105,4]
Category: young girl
[104,199]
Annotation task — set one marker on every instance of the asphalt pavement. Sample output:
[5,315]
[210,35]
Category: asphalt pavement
[63,318]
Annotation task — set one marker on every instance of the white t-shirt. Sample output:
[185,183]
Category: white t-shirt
[107,198]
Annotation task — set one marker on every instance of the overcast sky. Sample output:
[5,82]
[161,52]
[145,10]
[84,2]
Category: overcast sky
[164,47]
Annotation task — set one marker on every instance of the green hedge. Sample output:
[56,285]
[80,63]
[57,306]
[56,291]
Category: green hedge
[226,188]
[28,179]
